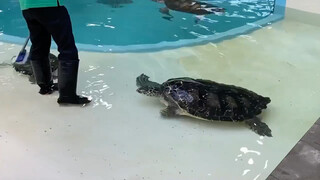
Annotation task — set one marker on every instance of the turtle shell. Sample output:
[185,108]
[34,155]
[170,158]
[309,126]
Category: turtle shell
[214,101]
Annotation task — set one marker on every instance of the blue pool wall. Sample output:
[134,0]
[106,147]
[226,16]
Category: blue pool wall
[278,14]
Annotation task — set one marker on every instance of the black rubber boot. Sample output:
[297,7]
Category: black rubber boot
[43,76]
[67,83]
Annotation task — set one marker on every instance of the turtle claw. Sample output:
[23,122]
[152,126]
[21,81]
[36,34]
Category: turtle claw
[259,127]
[168,112]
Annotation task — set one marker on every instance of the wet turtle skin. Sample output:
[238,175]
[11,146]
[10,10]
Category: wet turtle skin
[214,101]
[193,7]
[208,100]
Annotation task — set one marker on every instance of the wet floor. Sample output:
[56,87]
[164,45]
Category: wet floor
[121,135]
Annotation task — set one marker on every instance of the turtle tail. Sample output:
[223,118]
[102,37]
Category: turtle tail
[259,127]
[143,81]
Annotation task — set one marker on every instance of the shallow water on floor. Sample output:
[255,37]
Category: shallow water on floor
[121,135]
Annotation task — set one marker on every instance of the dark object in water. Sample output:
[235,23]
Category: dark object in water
[190,6]
[167,18]
[208,100]
[193,7]
[166,11]
[114,3]
[26,68]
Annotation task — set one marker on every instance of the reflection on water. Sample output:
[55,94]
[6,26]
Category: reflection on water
[257,177]
[265,165]
[245,150]
[251,156]
[101,22]
[259,142]
[250,161]
[245,172]
[131,140]
[97,89]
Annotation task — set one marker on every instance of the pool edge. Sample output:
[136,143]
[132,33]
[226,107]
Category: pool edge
[278,14]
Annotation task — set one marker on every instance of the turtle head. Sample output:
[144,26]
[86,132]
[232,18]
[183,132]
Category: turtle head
[150,90]
[147,87]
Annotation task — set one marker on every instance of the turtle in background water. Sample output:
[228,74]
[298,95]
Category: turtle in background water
[207,100]
[115,3]
[188,6]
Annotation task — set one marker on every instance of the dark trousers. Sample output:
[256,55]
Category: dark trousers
[46,22]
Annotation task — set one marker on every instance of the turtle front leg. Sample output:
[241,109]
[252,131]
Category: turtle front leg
[166,11]
[169,111]
[259,127]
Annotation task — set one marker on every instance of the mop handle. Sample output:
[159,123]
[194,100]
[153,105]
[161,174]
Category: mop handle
[25,44]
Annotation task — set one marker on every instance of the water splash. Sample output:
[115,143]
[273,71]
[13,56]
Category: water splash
[109,26]
[265,165]
[93,25]
[250,161]
[97,88]
[91,68]
[245,172]
[198,34]
[257,177]
[245,150]
[259,142]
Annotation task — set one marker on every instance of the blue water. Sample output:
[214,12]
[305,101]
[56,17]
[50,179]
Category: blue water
[140,22]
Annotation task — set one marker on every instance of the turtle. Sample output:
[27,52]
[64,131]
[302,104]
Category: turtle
[26,68]
[115,3]
[189,6]
[207,100]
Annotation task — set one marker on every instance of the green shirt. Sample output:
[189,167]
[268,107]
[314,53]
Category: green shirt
[26,4]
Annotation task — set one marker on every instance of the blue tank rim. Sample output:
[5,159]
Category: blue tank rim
[278,14]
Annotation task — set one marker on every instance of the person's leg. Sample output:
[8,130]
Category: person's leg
[58,23]
[39,53]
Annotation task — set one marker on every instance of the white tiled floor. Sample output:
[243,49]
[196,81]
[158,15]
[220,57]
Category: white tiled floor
[305,5]
[40,140]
